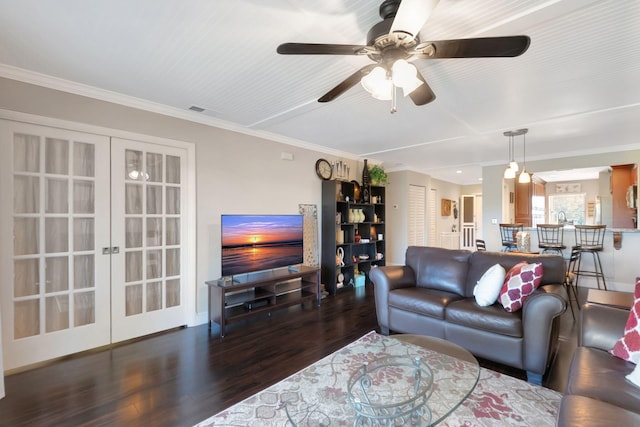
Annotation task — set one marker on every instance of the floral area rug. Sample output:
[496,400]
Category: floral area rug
[317,395]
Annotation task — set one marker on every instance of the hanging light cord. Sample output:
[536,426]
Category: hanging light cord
[524,152]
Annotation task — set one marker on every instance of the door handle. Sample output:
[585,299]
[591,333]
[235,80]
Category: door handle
[110,250]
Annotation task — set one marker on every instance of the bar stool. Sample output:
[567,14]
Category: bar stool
[571,280]
[590,239]
[508,234]
[550,238]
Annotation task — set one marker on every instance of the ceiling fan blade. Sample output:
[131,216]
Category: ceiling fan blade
[485,47]
[423,94]
[320,49]
[411,16]
[347,83]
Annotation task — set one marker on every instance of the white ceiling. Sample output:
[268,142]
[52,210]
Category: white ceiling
[577,88]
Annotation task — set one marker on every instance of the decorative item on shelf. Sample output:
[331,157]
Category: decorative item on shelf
[356,191]
[357,238]
[324,170]
[375,217]
[378,176]
[338,218]
[359,280]
[363,257]
[354,259]
[365,182]
[340,257]
[339,237]
[341,170]
[361,216]
[379,256]
[380,236]
[340,281]
[352,216]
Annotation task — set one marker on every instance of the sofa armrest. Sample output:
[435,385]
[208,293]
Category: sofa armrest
[600,326]
[540,335]
[385,279]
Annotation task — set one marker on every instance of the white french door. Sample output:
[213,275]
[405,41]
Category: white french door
[147,182]
[92,247]
[55,219]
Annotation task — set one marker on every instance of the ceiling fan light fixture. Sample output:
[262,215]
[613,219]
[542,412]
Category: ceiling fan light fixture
[378,84]
[404,75]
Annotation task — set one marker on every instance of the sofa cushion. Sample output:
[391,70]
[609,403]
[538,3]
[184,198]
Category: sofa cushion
[628,346]
[489,285]
[580,411]
[430,302]
[439,268]
[520,282]
[597,374]
[491,319]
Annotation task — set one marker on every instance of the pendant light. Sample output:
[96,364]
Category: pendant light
[512,168]
[524,177]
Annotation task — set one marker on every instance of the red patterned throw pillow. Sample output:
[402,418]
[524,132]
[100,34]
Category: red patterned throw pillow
[520,282]
[628,346]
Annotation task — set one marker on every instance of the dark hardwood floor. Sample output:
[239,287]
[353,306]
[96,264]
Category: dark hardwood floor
[181,377]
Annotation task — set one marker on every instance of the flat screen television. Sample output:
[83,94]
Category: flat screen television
[260,242]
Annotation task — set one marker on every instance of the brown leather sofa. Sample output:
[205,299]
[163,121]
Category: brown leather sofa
[597,392]
[432,294]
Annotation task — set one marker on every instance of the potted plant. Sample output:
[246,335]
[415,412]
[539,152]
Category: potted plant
[378,175]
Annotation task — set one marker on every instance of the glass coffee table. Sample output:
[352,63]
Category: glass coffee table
[455,370]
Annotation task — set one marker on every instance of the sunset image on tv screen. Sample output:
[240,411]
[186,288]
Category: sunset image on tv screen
[260,242]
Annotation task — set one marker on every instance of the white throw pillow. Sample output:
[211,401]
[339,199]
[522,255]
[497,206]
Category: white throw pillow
[488,287]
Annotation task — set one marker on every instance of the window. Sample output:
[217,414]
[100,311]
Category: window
[567,208]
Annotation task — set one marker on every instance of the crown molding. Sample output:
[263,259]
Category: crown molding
[68,86]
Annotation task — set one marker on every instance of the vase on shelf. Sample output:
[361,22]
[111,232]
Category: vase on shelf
[352,216]
[366,182]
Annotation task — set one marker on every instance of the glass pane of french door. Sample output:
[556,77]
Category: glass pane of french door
[147,219]
[54,211]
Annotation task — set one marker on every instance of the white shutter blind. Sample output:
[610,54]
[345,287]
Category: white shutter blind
[433,241]
[417,206]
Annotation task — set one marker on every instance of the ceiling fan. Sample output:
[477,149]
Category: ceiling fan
[393,43]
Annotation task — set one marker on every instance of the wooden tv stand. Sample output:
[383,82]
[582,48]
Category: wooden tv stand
[253,294]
